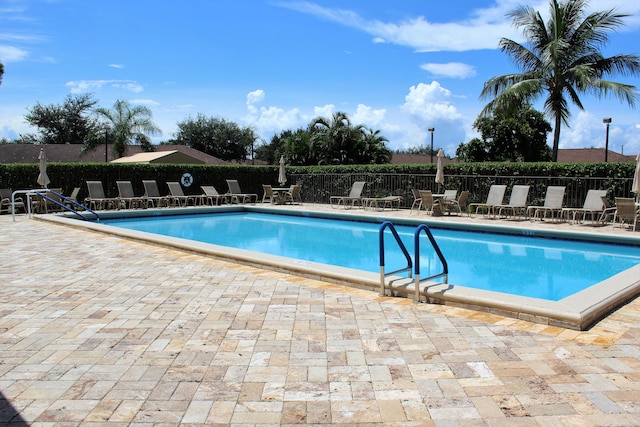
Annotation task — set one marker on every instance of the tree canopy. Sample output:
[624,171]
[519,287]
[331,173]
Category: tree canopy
[69,123]
[561,60]
[216,136]
[509,135]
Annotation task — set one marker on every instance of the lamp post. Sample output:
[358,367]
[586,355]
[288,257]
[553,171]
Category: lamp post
[607,122]
[106,145]
[431,130]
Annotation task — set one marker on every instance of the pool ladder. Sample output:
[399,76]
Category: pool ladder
[412,267]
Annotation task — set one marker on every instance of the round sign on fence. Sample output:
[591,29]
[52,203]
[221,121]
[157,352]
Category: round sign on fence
[186,179]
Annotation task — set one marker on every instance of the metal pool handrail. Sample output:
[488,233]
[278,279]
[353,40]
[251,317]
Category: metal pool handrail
[63,206]
[410,262]
[445,266]
[409,266]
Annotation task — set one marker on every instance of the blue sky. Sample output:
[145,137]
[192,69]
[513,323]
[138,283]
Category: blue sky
[398,66]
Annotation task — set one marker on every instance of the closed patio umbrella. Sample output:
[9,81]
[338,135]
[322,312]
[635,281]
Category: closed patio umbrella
[635,187]
[43,178]
[440,171]
[282,173]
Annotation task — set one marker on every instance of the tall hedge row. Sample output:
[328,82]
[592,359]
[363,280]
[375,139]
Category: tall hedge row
[613,176]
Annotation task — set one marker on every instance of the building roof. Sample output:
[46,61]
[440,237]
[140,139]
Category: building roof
[173,157]
[70,153]
[591,155]
[412,159]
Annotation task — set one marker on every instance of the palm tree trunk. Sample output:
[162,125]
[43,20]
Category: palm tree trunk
[556,137]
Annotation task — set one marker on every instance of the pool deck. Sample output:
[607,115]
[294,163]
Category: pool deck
[98,330]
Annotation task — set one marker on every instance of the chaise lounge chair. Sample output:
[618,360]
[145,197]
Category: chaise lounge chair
[494,198]
[152,192]
[237,195]
[97,198]
[517,203]
[381,203]
[593,207]
[127,197]
[552,206]
[354,197]
[175,190]
[212,197]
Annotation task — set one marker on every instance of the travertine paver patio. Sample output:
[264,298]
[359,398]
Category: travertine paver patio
[96,330]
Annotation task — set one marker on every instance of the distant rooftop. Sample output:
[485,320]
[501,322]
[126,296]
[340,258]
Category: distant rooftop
[70,153]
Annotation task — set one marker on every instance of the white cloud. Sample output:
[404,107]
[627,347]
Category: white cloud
[430,105]
[430,102]
[82,86]
[148,102]
[456,70]
[12,54]
[368,116]
[324,111]
[118,66]
[482,31]
[253,98]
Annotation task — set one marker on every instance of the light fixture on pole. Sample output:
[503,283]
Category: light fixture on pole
[607,122]
[431,130]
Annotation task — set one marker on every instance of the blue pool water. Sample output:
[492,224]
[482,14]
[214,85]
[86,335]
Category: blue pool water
[523,265]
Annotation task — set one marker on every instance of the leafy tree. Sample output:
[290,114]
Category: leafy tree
[509,136]
[70,123]
[126,125]
[216,137]
[1,71]
[560,61]
[421,150]
[475,150]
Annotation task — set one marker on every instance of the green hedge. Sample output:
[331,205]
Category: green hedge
[319,182]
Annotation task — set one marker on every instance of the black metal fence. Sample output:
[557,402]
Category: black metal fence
[318,188]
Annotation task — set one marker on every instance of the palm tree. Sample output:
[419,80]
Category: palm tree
[127,125]
[375,148]
[561,60]
[335,138]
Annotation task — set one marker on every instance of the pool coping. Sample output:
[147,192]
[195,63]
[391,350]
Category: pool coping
[579,311]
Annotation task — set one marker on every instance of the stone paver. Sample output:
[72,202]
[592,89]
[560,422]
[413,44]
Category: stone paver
[96,330]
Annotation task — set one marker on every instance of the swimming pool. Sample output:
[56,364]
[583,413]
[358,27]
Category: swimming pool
[578,311]
[524,265]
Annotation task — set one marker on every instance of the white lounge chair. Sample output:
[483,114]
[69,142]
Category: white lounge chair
[494,198]
[212,197]
[593,207]
[517,205]
[552,207]
[354,197]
